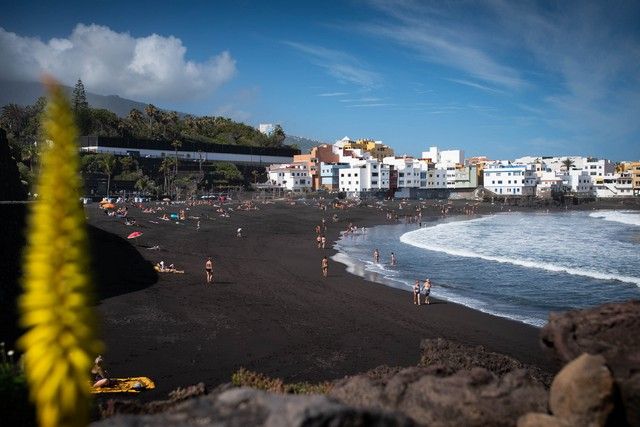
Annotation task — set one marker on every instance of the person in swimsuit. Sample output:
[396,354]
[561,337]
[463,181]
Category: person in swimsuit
[325,266]
[99,374]
[427,290]
[394,261]
[376,255]
[208,268]
[416,293]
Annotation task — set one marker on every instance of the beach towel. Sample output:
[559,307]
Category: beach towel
[134,235]
[126,385]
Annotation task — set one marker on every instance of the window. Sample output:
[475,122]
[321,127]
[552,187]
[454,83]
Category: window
[401,174]
[374,173]
[374,182]
[499,182]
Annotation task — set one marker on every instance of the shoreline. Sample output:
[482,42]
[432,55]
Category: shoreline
[269,310]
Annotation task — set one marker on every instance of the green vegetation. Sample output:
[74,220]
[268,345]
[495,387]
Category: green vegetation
[23,126]
[246,378]
[15,408]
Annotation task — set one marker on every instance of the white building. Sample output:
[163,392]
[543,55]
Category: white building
[433,177]
[510,180]
[598,168]
[293,177]
[266,128]
[445,157]
[368,175]
[614,185]
[579,181]
[549,182]
[408,170]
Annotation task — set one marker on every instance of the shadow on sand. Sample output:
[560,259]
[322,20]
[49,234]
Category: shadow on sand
[118,268]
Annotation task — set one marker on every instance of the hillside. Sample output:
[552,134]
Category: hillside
[304,144]
[26,93]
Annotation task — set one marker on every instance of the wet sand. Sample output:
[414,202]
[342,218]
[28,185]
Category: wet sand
[269,309]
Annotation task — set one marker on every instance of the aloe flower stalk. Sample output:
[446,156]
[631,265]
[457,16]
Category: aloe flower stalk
[57,304]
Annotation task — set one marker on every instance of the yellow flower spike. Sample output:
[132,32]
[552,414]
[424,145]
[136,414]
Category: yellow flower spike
[57,302]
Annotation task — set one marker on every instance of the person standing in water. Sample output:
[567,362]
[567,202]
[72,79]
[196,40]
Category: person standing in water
[394,260]
[376,255]
[208,268]
[416,293]
[427,290]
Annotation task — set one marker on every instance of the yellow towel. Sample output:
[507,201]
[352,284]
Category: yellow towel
[126,385]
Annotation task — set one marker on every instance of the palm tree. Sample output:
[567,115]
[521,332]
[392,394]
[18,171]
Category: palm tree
[165,168]
[176,143]
[108,164]
[568,164]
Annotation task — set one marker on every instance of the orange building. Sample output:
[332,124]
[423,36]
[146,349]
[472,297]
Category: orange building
[319,154]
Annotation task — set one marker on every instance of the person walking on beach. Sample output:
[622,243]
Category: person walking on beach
[324,241]
[394,261]
[208,268]
[416,293]
[325,266]
[427,290]
[376,255]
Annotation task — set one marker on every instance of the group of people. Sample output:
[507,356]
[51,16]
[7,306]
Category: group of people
[376,257]
[421,293]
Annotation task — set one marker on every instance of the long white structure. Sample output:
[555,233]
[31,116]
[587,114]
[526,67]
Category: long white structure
[256,156]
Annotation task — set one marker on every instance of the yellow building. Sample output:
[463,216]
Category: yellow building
[634,169]
[376,148]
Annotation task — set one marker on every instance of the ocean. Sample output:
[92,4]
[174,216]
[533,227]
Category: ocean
[516,265]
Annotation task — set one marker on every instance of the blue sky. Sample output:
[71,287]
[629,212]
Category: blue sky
[495,78]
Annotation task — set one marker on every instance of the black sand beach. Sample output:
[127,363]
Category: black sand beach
[269,309]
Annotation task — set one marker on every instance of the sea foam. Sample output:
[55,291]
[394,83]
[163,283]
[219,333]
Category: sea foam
[622,217]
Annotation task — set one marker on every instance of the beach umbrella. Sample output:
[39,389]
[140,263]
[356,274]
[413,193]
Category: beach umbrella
[134,235]
[108,206]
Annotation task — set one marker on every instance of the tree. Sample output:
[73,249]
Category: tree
[146,185]
[14,119]
[165,168]
[108,163]
[176,143]
[278,136]
[79,97]
[567,163]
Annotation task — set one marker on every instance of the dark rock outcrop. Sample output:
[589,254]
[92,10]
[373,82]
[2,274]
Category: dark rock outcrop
[611,330]
[12,220]
[251,407]
[476,397]
[448,357]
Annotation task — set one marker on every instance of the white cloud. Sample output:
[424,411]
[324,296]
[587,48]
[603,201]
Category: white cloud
[342,66]
[429,31]
[475,85]
[333,94]
[152,68]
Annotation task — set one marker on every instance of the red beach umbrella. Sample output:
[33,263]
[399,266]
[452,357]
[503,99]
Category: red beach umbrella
[134,235]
